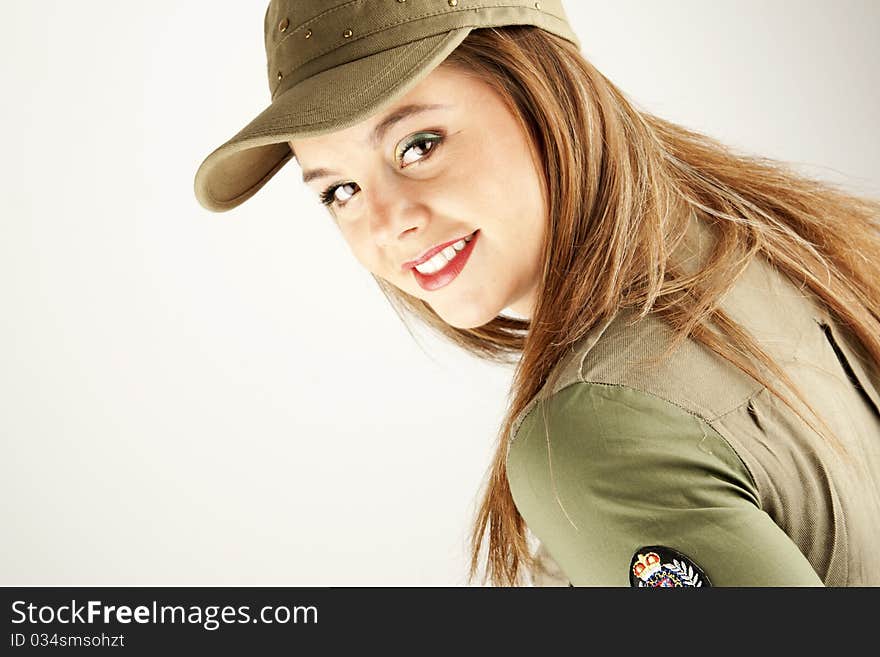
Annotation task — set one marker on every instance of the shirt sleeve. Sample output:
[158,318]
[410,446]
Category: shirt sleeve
[627,489]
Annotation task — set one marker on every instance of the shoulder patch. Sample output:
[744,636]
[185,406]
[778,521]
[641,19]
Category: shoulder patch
[657,566]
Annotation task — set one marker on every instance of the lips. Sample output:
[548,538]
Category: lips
[409,264]
[450,272]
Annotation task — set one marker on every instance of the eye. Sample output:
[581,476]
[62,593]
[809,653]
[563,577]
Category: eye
[427,143]
[328,196]
[426,140]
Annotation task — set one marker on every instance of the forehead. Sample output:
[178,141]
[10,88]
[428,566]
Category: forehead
[444,89]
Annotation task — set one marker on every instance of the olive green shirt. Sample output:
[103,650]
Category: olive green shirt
[694,455]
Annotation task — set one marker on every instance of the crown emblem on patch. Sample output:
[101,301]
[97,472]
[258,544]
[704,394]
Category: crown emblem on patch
[658,566]
[647,565]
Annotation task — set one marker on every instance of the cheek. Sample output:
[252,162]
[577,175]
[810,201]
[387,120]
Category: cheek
[501,180]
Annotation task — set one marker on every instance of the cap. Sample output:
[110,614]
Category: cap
[333,63]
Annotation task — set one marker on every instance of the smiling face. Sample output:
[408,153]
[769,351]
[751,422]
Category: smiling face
[460,165]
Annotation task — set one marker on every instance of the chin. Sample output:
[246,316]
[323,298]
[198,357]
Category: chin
[467,317]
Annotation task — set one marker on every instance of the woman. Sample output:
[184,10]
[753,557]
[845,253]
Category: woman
[697,332]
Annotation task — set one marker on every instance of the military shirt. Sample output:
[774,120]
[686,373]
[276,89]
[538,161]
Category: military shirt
[688,472]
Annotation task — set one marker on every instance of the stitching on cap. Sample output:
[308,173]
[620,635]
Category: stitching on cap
[362,36]
[380,76]
[376,79]
[408,19]
[312,20]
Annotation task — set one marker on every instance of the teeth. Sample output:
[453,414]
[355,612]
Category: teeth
[439,260]
[435,264]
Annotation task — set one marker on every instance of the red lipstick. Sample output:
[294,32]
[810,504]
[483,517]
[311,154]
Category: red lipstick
[452,269]
[409,264]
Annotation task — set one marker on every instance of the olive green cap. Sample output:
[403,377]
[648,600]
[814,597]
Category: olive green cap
[333,63]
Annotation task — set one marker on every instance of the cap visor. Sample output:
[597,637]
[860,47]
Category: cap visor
[326,102]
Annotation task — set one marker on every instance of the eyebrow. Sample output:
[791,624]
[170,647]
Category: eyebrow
[378,133]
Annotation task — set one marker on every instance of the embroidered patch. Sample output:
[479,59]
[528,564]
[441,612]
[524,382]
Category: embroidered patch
[656,566]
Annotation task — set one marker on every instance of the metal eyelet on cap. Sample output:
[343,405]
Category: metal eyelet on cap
[453,3]
[537,5]
[280,75]
[347,33]
[283,25]
[308,34]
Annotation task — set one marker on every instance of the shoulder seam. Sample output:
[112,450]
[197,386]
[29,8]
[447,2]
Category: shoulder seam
[601,330]
[733,449]
[648,392]
[699,417]
[535,402]
[706,421]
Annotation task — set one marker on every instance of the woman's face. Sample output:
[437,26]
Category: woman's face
[404,181]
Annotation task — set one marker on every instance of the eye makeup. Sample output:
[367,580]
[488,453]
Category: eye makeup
[433,137]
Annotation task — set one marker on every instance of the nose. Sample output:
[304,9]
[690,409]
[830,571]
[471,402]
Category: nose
[395,210]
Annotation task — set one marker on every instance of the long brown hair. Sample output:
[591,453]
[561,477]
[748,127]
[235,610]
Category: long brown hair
[621,184]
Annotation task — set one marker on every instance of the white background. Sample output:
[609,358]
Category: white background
[227,399]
